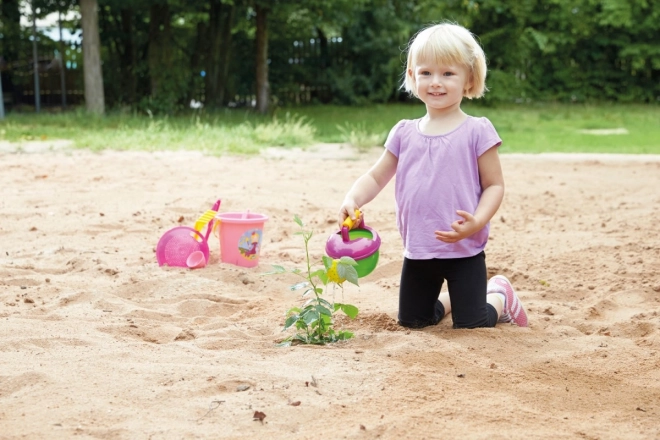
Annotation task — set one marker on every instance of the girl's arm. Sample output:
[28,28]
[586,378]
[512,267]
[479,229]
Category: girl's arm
[367,186]
[492,187]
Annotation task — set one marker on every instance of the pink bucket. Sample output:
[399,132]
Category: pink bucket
[241,235]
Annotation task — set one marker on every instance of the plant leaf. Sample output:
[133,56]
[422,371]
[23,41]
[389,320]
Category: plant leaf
[350,310]
[345,271]
[350,274]
[327,262]
[293,310]
[326,303]
[277,269]
[299,285]
[290,321]
[323,310]
[318,273]
[301,338]
[310,317]
[297,220]
[348,260]
[344,335]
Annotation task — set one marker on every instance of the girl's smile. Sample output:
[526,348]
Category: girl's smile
[440,87]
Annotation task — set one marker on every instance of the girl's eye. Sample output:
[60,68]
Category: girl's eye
[425,73]
[448,73]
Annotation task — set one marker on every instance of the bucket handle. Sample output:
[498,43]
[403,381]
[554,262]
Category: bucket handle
[345,227]
[214,221]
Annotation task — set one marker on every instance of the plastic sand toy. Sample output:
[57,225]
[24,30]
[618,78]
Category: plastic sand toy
[359,243]
[184,246]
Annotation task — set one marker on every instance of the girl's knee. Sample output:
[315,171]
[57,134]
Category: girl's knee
[416,324]
[482,323]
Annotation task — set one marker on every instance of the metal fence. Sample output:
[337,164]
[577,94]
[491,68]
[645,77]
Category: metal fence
[18,85]
[300,73]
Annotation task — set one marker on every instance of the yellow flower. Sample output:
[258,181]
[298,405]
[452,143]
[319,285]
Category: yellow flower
[333,275]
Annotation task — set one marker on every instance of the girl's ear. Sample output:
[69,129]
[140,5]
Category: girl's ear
[411,76]
[468,86]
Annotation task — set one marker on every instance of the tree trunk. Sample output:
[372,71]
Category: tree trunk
[93,73]
[198,62]
[129,61]
[2,101]
[263,88]
[225,53]
[221,18]
[35,61]
[213,50]
[10,17]
[159,47]
[62,63]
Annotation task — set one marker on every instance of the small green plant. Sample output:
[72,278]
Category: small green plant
[313,320]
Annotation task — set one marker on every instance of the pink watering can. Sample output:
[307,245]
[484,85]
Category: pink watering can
[361,244]
[183,246]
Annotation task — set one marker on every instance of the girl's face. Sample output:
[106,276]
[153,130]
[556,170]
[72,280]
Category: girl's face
[440,86]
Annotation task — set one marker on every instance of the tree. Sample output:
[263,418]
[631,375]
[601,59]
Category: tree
[160,59]
[159,54]
[221,19]
[10,17]
[61,7]
[261,48]
[169,54]
[93,73]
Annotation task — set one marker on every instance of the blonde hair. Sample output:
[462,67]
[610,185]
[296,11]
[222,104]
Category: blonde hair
[448,43]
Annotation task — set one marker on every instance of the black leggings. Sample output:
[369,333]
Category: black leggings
[421,281]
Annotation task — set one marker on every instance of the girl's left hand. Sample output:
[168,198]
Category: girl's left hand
[461,228]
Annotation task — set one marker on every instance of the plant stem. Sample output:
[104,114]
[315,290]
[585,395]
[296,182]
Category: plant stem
[319,328]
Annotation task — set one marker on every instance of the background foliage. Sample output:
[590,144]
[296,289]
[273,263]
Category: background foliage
[159,54]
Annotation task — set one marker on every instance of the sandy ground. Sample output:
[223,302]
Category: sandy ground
[98,341]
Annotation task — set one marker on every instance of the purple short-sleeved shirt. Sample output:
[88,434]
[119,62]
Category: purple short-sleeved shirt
[435,176]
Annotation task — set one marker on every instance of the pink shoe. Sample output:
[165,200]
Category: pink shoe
[513,310]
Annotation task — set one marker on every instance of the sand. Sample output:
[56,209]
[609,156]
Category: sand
[98,341]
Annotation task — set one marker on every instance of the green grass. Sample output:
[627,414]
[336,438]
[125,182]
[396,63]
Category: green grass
[524,129]
[557,128]
[232,132]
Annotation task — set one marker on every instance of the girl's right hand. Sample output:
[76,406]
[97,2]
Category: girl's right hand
[348,210]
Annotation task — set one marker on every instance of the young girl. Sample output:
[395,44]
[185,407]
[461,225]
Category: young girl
[449,185]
